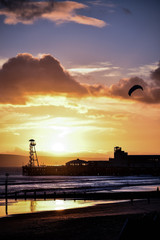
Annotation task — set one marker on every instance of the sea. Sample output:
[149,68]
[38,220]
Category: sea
[95,184]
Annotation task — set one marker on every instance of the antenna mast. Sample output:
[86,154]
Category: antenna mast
[33,159]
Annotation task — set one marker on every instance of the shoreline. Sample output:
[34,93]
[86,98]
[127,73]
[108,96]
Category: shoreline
[94,220]
[40,203]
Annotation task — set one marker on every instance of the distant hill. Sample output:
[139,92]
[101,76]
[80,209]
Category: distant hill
[9,160]
[12,160]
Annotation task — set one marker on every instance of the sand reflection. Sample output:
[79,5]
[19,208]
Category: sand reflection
[30,206]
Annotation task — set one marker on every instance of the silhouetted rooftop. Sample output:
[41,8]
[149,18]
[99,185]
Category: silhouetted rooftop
[77,162]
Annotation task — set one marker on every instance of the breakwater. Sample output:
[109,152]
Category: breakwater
[34,194]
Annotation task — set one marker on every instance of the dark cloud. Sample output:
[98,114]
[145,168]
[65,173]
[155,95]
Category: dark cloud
[26,75]
[150,94]
[15,4]
[12,4]
[26,10]
[126,11]
[155,75]
[119,89]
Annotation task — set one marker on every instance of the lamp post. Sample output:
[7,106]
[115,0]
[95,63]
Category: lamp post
[6,192]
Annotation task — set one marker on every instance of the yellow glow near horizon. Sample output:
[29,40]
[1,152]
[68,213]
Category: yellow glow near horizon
[94,125]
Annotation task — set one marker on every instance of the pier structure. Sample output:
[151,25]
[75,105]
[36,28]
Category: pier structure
[122,164]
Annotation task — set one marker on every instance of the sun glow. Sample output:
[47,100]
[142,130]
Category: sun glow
[59,147]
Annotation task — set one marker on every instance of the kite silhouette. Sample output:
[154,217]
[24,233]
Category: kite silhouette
[132,89]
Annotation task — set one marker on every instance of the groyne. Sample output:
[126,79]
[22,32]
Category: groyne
[34,194]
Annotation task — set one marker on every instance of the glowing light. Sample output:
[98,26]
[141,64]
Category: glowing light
[59,147]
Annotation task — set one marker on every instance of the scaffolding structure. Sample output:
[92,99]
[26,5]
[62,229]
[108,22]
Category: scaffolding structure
[33,159]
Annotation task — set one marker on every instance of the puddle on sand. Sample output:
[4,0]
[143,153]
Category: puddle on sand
[30,206]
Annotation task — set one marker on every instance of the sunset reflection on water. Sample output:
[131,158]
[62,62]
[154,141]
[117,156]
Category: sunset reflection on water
[31,206]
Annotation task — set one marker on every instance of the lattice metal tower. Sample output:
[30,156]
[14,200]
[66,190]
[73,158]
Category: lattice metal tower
[33,159]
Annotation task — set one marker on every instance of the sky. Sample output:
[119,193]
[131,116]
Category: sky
[65,71]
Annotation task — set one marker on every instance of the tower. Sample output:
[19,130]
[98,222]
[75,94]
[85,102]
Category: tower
[33,159]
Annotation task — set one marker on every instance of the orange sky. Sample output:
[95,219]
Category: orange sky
[65,71]
[67,117]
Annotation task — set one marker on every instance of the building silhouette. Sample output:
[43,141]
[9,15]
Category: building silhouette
[122,164]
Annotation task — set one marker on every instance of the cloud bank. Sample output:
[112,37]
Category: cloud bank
[24,76]
[150,94]
[27,12]
[155,75]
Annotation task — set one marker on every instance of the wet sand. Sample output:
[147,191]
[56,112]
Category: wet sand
[104,221]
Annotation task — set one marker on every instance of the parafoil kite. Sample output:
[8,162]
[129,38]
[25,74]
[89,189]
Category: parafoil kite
[132,89]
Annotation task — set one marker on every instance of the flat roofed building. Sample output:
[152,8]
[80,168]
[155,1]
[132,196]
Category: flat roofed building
[77,162]
[122,159]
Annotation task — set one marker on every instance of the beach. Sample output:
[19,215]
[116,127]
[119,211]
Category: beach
[102,221]
[79,208]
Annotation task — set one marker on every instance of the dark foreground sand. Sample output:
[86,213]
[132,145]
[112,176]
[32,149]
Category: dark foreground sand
[103,221]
